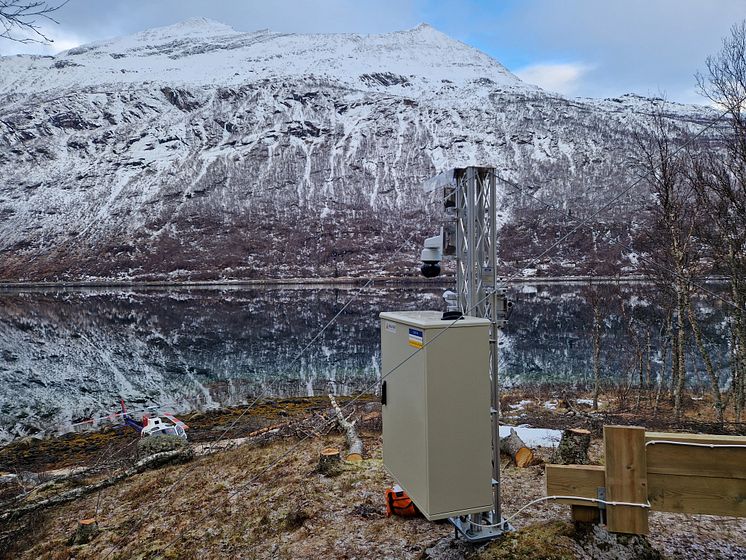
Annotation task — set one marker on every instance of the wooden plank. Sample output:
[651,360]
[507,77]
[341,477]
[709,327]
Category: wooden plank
[698,494]
[678,494]
[586,514]
[695,438]
[574,480]
[679,479]
[626,479]
[696,461]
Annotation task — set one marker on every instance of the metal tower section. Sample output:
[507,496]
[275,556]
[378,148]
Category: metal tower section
[470,235]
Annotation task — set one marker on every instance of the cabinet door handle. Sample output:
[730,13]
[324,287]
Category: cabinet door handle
[383,392]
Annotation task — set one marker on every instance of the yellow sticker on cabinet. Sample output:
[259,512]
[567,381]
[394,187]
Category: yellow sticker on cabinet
[416,338]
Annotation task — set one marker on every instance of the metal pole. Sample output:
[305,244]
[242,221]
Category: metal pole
[494,349]
[460,234]
[471,241]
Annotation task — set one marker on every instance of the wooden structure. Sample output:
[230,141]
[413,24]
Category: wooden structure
[681,473]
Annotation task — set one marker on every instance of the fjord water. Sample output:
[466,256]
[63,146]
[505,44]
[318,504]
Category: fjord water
[70,354]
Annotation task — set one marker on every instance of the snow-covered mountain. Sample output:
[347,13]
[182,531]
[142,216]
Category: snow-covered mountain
[196,151]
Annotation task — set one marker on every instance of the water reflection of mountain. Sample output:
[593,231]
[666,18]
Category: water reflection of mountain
[70,354]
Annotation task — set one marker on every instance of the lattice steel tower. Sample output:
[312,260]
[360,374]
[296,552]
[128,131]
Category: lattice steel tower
[470,236]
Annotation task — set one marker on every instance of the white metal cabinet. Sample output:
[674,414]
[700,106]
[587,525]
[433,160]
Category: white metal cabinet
[436,416]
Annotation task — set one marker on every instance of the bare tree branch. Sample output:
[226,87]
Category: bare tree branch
[20,20]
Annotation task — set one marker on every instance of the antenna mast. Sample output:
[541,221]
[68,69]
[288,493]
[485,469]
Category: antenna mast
[470,235]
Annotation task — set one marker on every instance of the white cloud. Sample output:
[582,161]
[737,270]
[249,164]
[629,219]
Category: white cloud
[61,38]
[563,78]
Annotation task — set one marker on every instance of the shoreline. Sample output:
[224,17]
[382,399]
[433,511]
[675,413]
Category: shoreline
[327,282]
[543,406]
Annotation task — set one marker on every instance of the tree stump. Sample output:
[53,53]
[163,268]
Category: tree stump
[573,447]
[86,531]
[329,461]
[514,447]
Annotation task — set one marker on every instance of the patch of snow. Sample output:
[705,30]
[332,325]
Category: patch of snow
[521,405]
[534,437]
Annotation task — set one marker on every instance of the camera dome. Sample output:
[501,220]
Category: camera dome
[430,269]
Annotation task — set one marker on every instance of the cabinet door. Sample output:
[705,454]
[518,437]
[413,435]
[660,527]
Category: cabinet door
[458,408]
[404,414]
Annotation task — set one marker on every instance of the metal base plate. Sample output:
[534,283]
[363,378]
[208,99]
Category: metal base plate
[472,533]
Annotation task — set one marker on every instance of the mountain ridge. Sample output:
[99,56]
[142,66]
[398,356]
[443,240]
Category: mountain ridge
[245,56]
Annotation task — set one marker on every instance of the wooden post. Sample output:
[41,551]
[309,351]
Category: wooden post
[626,479]
[682,479]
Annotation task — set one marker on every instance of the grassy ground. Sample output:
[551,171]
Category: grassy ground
[270,502]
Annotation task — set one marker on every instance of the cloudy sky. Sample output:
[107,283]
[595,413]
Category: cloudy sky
[595,48]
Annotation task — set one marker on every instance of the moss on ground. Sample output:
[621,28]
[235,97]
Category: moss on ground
[544,541]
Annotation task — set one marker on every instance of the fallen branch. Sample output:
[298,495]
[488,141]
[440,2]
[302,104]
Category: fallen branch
[148,463]
[355,444]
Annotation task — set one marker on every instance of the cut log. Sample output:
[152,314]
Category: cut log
[354,443]
[329,460]
[573,447]
[513,446]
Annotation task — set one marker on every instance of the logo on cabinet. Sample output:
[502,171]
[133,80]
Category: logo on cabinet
[416,338]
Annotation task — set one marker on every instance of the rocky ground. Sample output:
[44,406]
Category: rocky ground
[264,497]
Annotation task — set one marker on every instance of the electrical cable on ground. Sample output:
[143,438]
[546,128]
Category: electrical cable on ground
[547,498]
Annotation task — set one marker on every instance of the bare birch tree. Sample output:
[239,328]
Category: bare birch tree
[719,177]
[20,20]
[665,169]
[591,295]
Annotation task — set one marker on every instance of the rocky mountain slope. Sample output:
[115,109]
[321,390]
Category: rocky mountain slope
[197,152]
